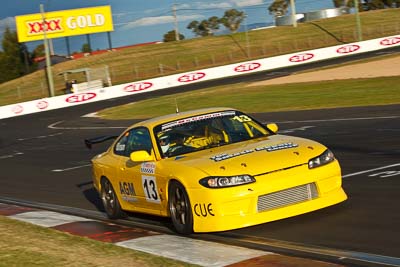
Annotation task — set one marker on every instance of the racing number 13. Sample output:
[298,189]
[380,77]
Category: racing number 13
[242,118]
[150,188]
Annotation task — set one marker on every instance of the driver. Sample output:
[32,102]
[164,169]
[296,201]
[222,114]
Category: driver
[164,143]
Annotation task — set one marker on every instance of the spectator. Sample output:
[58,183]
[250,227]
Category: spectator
[68,87]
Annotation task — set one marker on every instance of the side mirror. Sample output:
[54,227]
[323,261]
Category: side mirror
[273,127]
[141,156]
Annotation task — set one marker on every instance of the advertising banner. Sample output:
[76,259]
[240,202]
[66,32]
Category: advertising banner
[64,23]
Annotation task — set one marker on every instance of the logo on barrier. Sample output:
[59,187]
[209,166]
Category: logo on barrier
[347,49]
[247,67]
[390,41]
[42,104]
[17,109]
[301,57]
[80,97]
[134,87]
[191,77]
[38,27]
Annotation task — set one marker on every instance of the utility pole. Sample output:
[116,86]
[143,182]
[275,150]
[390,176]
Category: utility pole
[176,23]
[247,37]
[51,47]
[47,51]
[293,8]
[358,21]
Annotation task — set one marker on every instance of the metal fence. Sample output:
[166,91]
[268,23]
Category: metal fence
[246,47]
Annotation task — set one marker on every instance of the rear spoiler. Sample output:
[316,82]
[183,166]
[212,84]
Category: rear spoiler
[91,141]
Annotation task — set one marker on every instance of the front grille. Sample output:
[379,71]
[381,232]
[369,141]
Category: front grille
[287,197]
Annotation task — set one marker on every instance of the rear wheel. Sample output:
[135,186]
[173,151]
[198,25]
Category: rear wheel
[110,200]
[180,209]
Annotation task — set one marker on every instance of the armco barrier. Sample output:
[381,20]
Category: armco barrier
[137,87]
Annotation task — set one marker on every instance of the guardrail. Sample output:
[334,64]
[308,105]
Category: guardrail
[271,63]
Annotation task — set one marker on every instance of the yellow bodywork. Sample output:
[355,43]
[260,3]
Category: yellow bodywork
[281,175]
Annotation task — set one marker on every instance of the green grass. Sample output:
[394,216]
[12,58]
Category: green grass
[134,64]
[23,244]
[301,96]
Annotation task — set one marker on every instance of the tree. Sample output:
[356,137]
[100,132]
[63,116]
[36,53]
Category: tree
[343,3]
[205,27]
[194,26]
[3,68]
[86,48]
[232,19]
[381,4]
[279,8]
[15,59]
[213,24]
[170,36]
[39,51]
[368,4]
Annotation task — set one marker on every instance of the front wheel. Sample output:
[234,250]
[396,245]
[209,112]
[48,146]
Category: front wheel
[110,200]
[180,209]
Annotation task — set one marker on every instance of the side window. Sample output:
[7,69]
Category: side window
[133,140]
[120,146]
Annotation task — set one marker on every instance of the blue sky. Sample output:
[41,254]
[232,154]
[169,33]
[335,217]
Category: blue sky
[138,21]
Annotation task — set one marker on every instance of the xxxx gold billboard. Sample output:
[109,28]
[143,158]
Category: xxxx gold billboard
[64,23]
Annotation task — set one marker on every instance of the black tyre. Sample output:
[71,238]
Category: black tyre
[180,209]
[110,200]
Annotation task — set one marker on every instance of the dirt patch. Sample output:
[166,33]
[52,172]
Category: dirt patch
[379,68]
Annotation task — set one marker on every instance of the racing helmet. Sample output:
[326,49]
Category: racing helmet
[164,143]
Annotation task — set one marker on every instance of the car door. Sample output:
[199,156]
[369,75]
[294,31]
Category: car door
[137,181]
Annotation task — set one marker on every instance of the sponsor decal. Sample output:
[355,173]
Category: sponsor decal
[148,168]
[301,57]
[17,109]
[203,210]
[277,147]
[272,148]
[94,20]
[127,191]
[247,67]
[225,156]
[80,97]
[191,77]
[135,87]
[348,49]
[50,25]
[42,104]
[62,23]
[196,118]
[390,41]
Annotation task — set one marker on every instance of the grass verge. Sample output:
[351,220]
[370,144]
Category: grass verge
[23,244]
[301,96]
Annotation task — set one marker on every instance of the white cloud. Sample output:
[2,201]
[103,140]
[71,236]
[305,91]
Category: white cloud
[227,4]
[158,20]
[182,6]
[9,21]
[242,3]
[222,5]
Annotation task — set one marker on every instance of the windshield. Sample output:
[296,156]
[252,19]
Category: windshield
[205,131]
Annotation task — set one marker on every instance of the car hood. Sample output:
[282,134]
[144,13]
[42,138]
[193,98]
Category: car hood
[253,157]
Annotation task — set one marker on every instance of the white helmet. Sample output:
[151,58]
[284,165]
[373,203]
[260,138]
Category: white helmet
[164,143]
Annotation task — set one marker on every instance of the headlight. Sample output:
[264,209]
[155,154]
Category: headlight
[226,181]
[321,160]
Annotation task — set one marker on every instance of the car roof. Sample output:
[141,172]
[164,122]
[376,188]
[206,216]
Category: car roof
[150,123]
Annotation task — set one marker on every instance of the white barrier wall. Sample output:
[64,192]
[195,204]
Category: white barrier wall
[264,64]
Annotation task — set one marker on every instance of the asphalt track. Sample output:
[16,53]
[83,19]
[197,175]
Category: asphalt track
[43,159]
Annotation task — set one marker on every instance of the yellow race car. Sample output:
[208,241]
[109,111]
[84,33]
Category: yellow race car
[214,169]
